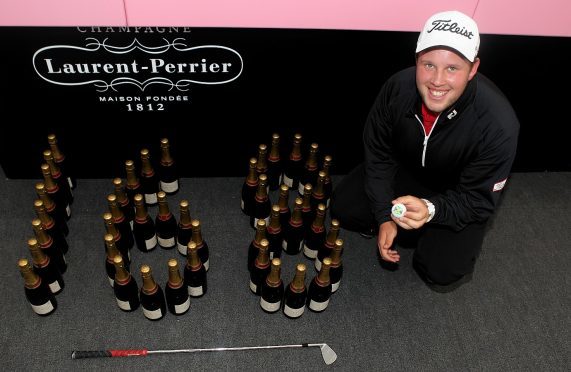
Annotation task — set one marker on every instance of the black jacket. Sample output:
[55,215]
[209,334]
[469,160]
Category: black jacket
[466,158]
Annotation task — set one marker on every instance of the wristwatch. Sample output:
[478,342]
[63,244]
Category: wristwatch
[431,209]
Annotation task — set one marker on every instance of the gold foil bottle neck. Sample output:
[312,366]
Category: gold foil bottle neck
[57,154]
[263,255]
[149,284]
[38,256]
[192,255]
[48,179]
[298,282]
[116,212]
[274,154]
[121,273]
[185,219]
[140,208]
[175,279]
[275,217]
[252,178]
[336,254]
[166,158]
[196,232]
[262,165]
[31,279]
[110,247]
[323,275]
[274,277]
[43,237]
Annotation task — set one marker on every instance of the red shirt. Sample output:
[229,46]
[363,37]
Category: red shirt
[428,119]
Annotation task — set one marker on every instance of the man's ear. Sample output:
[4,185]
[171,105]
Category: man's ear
[474,68]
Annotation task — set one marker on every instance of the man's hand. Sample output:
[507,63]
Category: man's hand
[416,212]
[387,235]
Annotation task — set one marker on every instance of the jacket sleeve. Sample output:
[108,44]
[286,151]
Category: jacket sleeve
[380,167]
[476,196]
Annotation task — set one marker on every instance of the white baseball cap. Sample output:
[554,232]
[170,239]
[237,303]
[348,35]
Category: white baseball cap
[452,29]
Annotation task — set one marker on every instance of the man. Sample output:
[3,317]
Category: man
[440,139]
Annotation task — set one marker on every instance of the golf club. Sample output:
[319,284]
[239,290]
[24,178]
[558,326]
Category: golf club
[327,353]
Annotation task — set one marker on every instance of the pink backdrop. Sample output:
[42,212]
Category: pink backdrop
[544,17]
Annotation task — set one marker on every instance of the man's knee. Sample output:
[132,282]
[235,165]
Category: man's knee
[442,276]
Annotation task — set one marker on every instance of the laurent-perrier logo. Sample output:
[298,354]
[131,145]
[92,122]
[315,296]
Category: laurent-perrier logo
[108,67]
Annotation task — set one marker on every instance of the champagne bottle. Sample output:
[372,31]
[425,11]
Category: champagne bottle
[262,204]
[255,245]
[307,210]
[48,246]
[328,184]
[327,248]
[59,158]
[123,200]
[262,164]
[133,185]
[309,175]
[184,231]
[296,294]
[293,236]
[58,177]
[50,227]
[294,165]
[59,215]
[165,223]
[261,268]
[112,251]
[54,192]
[121,222]
[318,193]
[176,293]
[167,169]
[125,287]
[319,291]
[201,244]
[143,228]
[44,267]
[249,189]
[274,171]
[120,243]
[149,179]
[151,296]
[315,238]
[38,294]
[274,233]
[272,291]
[194,272]
[336,269]
[283,202]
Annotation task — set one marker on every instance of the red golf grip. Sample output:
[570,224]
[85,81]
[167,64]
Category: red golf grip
[107,353]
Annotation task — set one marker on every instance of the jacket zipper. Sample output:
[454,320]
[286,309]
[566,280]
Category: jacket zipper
[426,137]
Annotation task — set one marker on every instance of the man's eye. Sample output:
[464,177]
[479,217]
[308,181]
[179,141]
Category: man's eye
[452,68]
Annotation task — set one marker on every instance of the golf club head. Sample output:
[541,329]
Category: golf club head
[329,356]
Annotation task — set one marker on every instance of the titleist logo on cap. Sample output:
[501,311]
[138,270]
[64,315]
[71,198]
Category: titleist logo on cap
[448,25]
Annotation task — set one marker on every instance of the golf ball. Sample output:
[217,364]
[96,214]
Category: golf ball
[398,210]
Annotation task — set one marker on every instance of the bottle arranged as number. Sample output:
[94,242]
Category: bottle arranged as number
[319,291]
[58,177]
[59,215]
[294,164]
[283,202]
[125,287]
[143,228]
[49,225]
[184,231]
[318,193]
[120,243]
[249,189]
[110,252]
[307,210]
[49,246]
[296,294]
[194,272]
[274,171]
[201,244]
[327,248]
[151,295]
[262,204]
[176,293]
[123,200]
[328,184]
[272,288]
[336,269]
[59,158]
[133,185]
[165,223]
[45,268]
[149,179]
[38,294]
[315,238]
[294,232]
[261,268]
[274,233]
[262,164]
[55,192]
[256,243]
[309,175]
[167,169]
[121,222]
